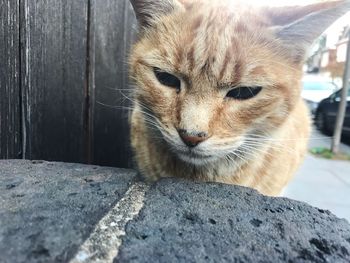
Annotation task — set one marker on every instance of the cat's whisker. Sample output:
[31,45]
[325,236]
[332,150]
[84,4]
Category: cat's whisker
[119,90]
[148,113]
[150,124]
[252,151]
[151,119]
[278,148]
[264,138]
[150,116]
[295,139]
[232,161]
[274,144]
[114,106]
[155,125]
[136,102]
[241,155]
[244,152]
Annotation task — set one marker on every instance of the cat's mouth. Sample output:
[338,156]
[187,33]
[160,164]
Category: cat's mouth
[194,158]
[204,154]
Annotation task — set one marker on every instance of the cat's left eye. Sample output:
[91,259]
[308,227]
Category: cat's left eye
[167,79]
[243,93]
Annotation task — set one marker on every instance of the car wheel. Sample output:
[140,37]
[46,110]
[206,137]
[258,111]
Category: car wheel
[321,122]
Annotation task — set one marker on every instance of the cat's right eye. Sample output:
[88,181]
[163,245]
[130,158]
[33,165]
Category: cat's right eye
[243,93]
[167,79]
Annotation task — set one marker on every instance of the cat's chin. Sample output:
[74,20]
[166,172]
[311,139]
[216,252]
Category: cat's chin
[196,160]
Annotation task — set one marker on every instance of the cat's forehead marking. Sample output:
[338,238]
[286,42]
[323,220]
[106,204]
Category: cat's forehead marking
[213,47]
[213,43]
[210,41]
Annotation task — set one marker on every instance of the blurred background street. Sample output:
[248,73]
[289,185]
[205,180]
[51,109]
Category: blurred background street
[323,183]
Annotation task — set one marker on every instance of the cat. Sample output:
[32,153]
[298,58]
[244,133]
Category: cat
[217,89]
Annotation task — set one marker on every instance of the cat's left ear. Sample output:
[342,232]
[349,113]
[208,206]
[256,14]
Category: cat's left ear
[298,27]
[148,11]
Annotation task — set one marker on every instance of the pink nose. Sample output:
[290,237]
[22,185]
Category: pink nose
[192,139]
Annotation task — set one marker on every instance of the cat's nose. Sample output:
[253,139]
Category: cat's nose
[192,138]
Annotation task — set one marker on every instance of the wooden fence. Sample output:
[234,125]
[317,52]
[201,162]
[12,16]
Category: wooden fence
[61,63]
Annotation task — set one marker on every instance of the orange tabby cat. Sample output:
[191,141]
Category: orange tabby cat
[217,94]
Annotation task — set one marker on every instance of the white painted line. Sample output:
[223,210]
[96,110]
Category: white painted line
[104,242]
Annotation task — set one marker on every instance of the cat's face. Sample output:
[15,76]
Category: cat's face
[211,78]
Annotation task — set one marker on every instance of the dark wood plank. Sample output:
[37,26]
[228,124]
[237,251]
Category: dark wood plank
[112,25]
[54,52]
[10,109]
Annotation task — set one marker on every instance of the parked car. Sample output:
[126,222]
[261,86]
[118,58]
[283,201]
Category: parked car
[326,114]
[315,90]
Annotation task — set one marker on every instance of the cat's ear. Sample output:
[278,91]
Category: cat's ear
[147,11]
[298,27]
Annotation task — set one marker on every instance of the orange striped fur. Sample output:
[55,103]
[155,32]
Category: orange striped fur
[213,47]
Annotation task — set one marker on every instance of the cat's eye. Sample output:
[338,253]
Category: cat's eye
[243,93]
[167,79]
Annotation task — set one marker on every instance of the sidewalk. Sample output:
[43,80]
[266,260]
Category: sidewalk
[323,183]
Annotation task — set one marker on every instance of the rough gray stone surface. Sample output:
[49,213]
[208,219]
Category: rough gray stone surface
[191,222]
[48,209]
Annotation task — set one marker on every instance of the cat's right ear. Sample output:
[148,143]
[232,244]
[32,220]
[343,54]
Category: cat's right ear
[148,11]
[298,27]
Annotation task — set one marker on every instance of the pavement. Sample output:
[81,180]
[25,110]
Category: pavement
[323,183]
[60,212]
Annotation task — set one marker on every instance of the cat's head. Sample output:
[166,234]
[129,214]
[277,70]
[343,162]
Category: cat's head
[210,74]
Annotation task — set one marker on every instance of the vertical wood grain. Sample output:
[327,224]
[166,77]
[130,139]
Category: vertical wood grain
[62,62]
[112,31]
[10,109]
[54,51]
